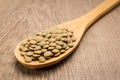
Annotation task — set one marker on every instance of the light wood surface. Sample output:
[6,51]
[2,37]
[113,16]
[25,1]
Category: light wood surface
[96,58]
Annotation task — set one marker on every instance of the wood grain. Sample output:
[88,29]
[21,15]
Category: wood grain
[96,58]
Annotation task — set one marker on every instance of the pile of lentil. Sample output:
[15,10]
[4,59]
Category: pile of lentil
[47,44]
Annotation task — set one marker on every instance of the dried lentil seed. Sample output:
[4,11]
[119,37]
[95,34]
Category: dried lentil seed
[42,59]
[27,59]
[57,54]
[29,53]
[70,44]
[39,39]
[23,53]
[58,47]
[26,45]
[69,40]
[37,48]
[30,48]
[52,44]
[63,39]
[33,42]
[62,51]
[24,42]
[43,34]
[45,39]
[67,48]
[55,51]
[45,46]
[69,34]
[51,48]
[73,39]
[33,46]
[65,45]
[60,43]
[42,43]
[43,50]
[38,52]
[52,40]
[24,49]
[34,58]
[21,46]
[48,54]
[47,43]
[64,34]
[36,55]
[58,38]
[48,36]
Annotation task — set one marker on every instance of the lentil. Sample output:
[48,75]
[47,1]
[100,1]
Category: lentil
[45,45]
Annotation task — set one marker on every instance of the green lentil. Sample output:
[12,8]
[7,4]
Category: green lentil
[55,50]
[38,52]
[57,54]
[20,48]
[70,44]
[24,49]
[24,42]
[37,48]
[52,40]
[69,34]
[33,42]
[45,39]
[73,39]
[60,43]
[34,58]
[23,53]
[52,44]
[39,39]
[58,38]
[30,48]
[58,47]
[43,34]
[26,45]
[48,54]
[51,48]
[67,47]
[29,53]
[43,50]
[36,55]
[47,44]
[42,59]
[62,51]
[33,46]
[48,35]
[64,34]
[42,43]
[27,59]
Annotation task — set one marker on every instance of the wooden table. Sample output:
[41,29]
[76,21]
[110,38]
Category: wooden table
[96,58]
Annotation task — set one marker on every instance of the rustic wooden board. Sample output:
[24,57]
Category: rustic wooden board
[96,58]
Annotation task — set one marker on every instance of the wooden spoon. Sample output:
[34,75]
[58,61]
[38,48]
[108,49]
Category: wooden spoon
[79,26]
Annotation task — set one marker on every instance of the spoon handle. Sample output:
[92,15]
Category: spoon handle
[98,12]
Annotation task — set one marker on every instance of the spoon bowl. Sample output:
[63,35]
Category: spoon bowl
[37,64]
[78,26]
